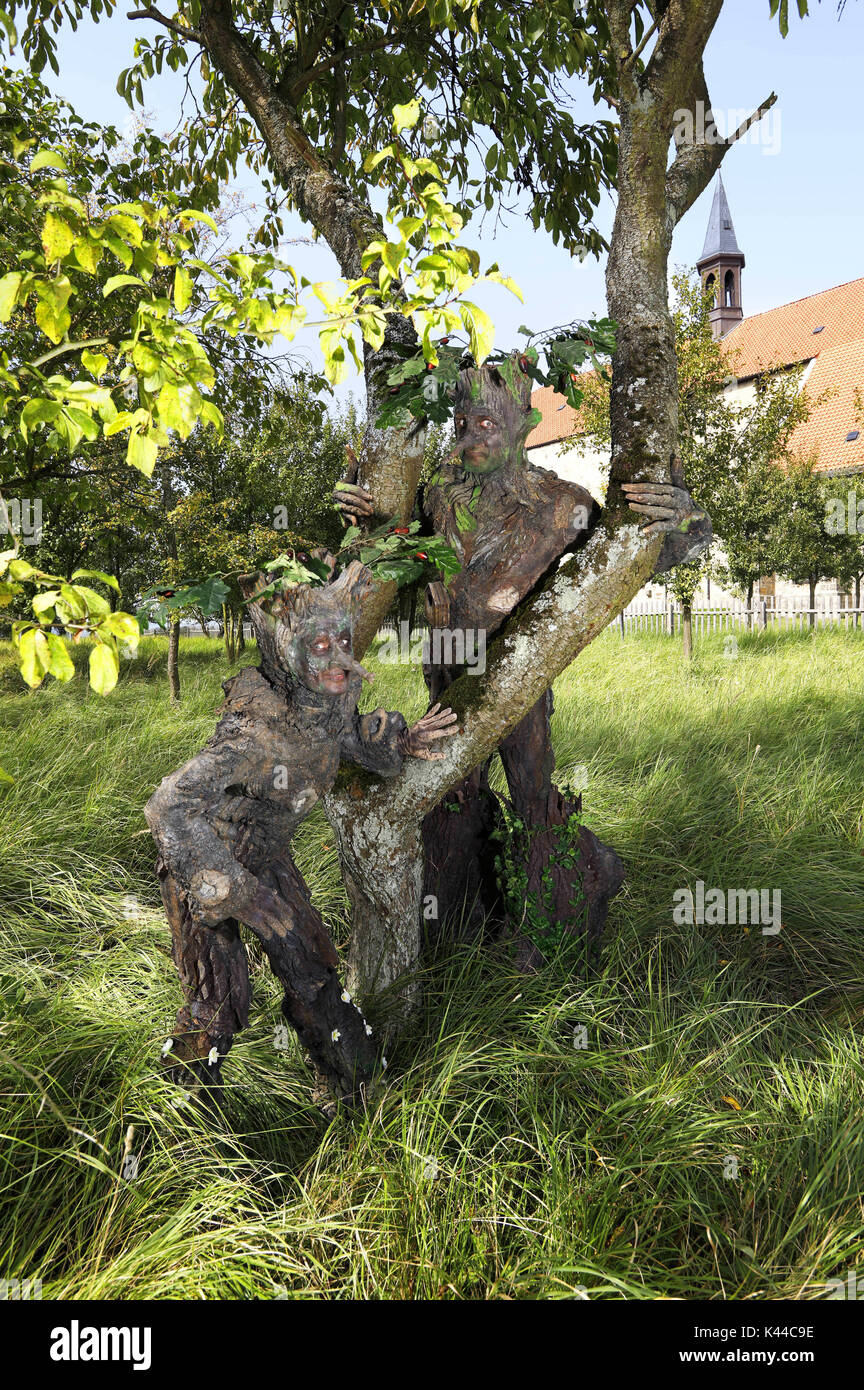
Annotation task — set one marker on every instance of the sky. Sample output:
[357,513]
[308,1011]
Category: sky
[795,189]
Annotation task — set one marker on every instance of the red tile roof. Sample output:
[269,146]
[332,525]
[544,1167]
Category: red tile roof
[838,377]
[559,418]
[783,337]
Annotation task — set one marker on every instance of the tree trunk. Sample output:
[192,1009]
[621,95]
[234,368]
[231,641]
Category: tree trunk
[857,599]
[168,501]
[174,657]
[687,630]
[378,824]
[228,627]
[382,864]
[390,460]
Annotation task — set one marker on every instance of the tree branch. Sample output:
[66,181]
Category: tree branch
[752,120]
[150,12]
[537,644]
[698,161]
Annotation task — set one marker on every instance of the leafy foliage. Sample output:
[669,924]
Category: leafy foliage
[399,553]
[808,549]
[421,389]
[176,303]
[73,607]
[340,71]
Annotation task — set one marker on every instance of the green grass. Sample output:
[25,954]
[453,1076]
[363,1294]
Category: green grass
[503,1160]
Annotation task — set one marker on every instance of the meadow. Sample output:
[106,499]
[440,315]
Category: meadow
[687,1122]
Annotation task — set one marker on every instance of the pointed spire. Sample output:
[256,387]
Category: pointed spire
[721,264]
[720,237]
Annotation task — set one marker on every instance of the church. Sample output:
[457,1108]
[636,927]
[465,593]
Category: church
[823,335]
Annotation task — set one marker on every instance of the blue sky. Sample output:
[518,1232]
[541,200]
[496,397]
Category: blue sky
[797,196]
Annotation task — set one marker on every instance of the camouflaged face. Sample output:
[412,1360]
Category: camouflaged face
[287,622]
[502,394]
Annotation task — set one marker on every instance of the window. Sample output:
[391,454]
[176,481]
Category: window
[729,289]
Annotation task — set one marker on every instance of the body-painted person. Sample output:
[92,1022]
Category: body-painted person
[223,825]
[511,523]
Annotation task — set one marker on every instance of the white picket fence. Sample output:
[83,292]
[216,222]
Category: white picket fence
[649,615]
[191,629]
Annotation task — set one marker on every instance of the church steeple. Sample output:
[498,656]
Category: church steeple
[720,265]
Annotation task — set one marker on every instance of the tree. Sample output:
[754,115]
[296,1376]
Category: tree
[306,98]
[646,61]
[808,550]
[734,456]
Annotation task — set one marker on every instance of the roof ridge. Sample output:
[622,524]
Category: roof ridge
[803,300]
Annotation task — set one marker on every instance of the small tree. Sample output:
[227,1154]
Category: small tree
[731,454]
[808,549]
[683,582]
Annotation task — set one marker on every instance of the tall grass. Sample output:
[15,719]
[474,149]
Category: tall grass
[544,1136]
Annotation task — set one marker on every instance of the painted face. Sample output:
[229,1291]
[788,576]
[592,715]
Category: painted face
[481,441]
[321,656]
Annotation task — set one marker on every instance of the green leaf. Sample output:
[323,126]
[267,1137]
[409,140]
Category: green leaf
[408,226]
[393,254]
[57,237]
[119,247]
[94,362]
[193,215]
[178,407]
[61,666]
[45,600]
[141,453]
[96,605]
[406,117]
[12,38]
[115,282]
[182,289]
[37,412]
[33,656]
[88,254]
[9,287]
[52,315]
[104,668]
[21,569]
[73,602]
[209,596]
[123,625]
[481,330]
[48,159]
[97,574]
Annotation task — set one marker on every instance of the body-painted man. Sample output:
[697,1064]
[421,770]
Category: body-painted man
[511,523]
[223,825]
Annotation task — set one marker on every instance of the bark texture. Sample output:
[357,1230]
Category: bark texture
[223,825]
[391,460]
